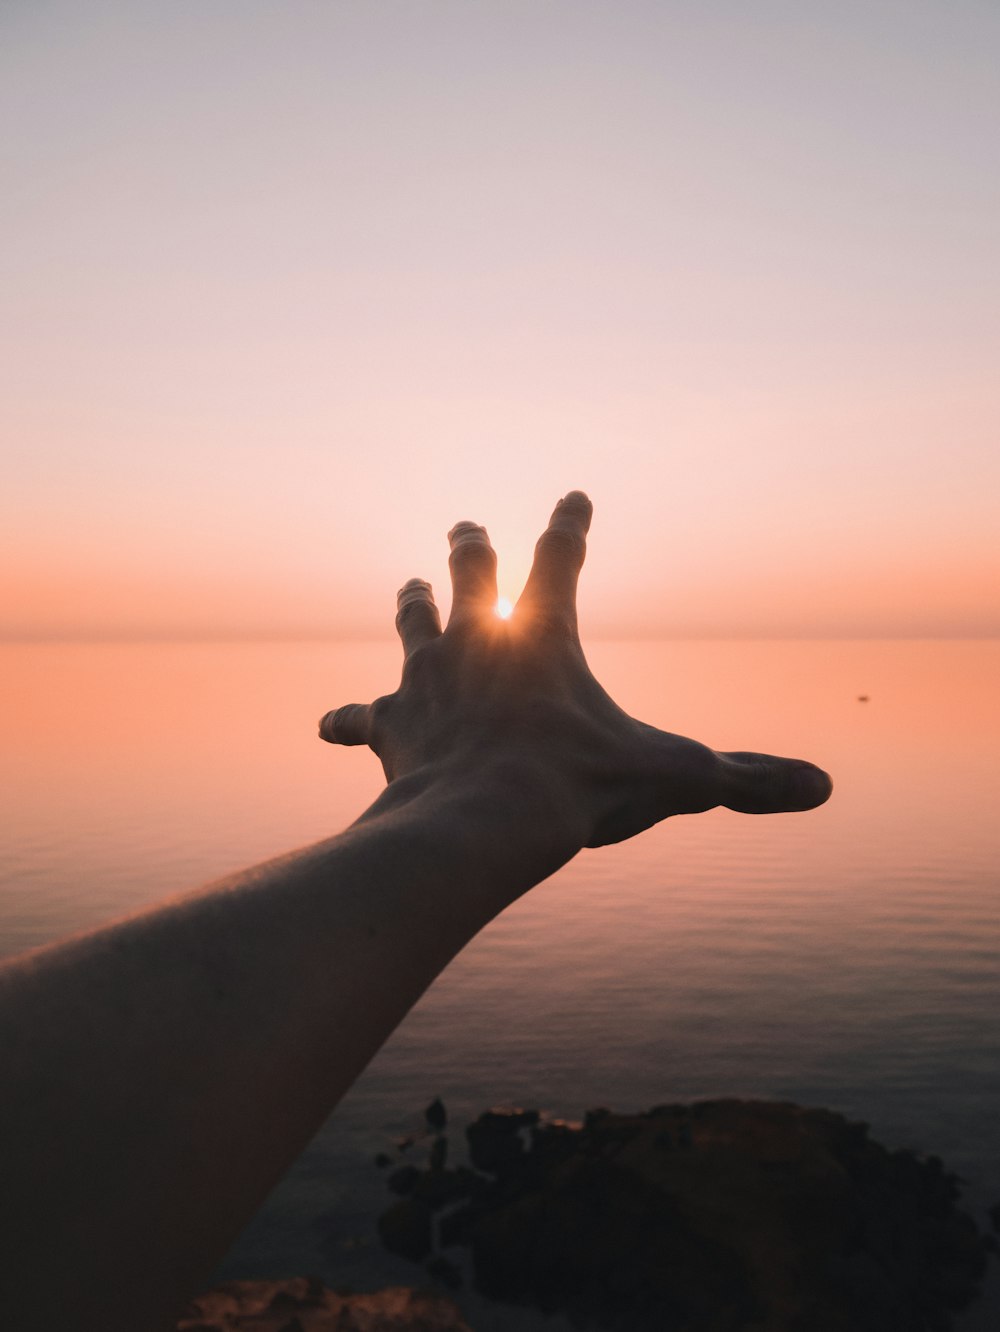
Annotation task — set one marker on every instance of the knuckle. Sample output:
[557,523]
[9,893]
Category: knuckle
[473,554]
[348,719]
[418,664]
[381,710]
[562,543]
[414,611]
[702,767]
[554,622]
[380,718]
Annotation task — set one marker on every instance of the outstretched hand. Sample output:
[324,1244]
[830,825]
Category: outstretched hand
[511,705]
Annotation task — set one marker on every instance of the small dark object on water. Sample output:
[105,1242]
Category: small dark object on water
[863,698]
[436,1115]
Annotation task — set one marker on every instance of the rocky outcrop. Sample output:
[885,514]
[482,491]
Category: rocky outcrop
[303,1304]
[728,1216]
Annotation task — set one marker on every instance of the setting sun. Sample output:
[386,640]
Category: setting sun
[504,608]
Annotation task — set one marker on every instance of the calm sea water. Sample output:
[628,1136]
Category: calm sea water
[849,957]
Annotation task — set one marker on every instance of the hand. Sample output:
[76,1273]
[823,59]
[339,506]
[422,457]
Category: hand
[511,706]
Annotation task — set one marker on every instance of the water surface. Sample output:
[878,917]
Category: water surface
[847,957]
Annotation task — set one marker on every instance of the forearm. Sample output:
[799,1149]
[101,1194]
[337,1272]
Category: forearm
[162,1074]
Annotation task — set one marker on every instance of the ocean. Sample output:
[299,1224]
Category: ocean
[848,957]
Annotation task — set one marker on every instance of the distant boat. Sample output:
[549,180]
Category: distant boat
[862,698]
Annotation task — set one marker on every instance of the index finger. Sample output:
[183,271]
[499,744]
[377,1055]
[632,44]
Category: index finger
[559,555]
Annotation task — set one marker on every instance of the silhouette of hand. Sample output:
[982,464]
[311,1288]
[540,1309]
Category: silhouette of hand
[509,707]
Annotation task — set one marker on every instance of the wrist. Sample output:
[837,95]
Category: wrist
[507,824]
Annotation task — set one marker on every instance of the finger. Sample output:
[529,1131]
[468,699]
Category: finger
[349,725]
[763,784]
[417,618]
[559,556]
[473,565]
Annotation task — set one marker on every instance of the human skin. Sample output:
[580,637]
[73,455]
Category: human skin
[161,1074]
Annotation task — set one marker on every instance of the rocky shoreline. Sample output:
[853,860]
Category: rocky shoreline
[304,1304]
[726,1215]
[718,1216]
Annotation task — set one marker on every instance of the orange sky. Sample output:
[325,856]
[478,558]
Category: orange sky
[288,289]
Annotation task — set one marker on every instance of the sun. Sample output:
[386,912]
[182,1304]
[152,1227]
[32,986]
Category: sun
[504,608]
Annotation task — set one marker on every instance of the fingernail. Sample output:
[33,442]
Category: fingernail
[415,590]
[465,531]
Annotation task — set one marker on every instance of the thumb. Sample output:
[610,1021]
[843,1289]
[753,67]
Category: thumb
[764,784]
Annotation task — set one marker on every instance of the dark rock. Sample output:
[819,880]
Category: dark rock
[436,1115]
[552,1141]
[439,1153]
[456,1227]
[406,1229]
[382,1160]
[726,1214]
[302,1293]
[495,1141]
[509,1120]
[439,1188]
[404,1180]
[593,1117]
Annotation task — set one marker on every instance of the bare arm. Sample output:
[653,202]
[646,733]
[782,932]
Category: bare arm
[161,1075]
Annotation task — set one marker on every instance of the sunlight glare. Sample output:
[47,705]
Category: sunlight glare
[504,608]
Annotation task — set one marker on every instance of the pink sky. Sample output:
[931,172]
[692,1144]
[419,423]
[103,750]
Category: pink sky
[289,289]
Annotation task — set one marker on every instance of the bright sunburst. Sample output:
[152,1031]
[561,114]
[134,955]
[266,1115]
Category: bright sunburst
[504,608]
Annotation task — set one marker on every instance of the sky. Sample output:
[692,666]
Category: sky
[289,288]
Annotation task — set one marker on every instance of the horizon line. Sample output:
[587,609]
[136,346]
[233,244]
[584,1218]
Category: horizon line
[11,640]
